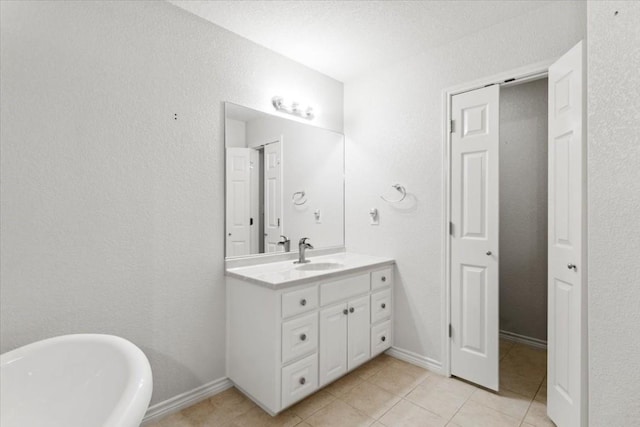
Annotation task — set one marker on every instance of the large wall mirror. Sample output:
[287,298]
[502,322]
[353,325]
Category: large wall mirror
[284,181]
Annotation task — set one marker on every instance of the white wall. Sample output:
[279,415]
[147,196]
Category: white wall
[614,212]
[393,123]
[523,209]
[112,211]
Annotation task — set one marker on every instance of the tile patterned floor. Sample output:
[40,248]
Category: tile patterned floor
[389,392]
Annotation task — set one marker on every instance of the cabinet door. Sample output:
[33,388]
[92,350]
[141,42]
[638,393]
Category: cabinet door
[333,343]
[359,338]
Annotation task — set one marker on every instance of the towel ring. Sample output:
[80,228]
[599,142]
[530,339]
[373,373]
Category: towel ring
[299,198]
[401,190]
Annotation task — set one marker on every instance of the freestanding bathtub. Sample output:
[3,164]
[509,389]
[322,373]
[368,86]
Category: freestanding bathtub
[83,380]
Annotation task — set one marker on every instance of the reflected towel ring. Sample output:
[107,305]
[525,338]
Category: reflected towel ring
[299,198]
[401,190]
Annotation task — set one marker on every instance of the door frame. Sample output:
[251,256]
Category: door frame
[513,77]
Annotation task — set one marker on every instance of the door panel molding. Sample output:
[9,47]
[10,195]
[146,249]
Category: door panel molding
[474,249]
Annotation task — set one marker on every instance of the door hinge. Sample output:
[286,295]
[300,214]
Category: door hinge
[450,228]
[250,221]
[278,222]
[452,126]
[450,331]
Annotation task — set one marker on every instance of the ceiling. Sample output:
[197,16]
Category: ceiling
[343,39]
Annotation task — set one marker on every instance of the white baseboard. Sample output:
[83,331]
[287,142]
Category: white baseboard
[416,359]
[521,339]
[186,399]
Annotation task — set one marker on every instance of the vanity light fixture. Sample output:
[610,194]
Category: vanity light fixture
[293,108]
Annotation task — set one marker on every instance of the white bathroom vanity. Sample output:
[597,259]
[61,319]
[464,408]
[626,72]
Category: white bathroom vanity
[298,327]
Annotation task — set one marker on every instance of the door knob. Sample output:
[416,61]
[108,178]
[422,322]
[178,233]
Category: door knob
[351,310]
[488,253]
[572,267]
[303,337]
[345,311]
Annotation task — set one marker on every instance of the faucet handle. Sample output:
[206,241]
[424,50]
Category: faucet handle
[284,238]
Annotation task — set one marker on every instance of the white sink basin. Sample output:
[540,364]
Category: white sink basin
[75,381]
[320,266]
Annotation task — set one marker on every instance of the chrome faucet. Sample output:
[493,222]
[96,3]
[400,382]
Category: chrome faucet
[302,247]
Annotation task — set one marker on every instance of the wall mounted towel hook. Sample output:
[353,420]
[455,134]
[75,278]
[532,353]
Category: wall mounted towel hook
[401,190]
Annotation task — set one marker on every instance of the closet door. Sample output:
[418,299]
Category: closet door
[474,238]
[567,313]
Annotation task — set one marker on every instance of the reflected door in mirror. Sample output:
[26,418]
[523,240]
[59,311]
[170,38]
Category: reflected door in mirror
[238,201]
[272,196]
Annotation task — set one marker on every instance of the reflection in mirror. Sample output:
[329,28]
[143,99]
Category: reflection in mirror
[284,181]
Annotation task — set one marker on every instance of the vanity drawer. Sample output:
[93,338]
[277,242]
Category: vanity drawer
[299,337]
[381,278]
[299,301]
[380,338]
[299,380]
[344,288]
[380,305]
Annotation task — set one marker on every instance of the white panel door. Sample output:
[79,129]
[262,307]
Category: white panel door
[333,343]
[474,239]
[567,329]
[255,208]
[272,196]
[359,337]
[238,202]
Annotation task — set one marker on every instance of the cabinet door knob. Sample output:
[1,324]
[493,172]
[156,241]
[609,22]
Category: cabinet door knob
[303,337]
[303,380]
[572,267]
[345,311]
[383,305]
[303,301]
[384,278]
[489,253]
[383,338]
[351,310]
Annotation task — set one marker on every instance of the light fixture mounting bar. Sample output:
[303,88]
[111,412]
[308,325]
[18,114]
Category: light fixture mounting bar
[293,108]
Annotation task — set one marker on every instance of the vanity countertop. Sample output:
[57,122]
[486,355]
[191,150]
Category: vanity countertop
[282,274]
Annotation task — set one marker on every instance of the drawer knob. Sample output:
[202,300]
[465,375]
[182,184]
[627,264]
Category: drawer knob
[303,380]
[384,278]
[345,311]
[383,305]
[303,337]
[351,310]
[383,338]
[303,301]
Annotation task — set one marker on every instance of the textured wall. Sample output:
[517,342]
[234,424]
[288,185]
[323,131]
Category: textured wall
[393,123]
[523,209]
[112,211]
[614,212]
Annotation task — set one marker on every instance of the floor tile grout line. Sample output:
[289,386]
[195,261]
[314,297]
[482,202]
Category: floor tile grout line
[461,406]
